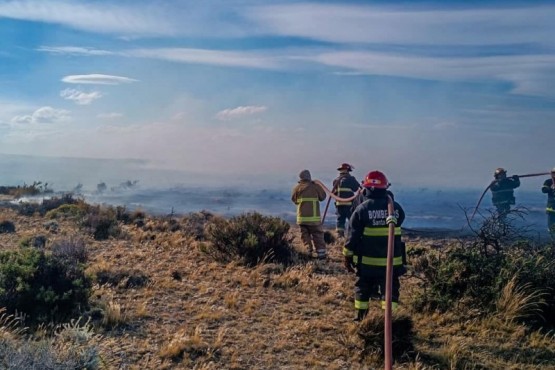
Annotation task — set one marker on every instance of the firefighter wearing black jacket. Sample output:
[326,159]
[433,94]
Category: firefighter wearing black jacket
[344,186]
[502,191]
[549,189]
[366,247]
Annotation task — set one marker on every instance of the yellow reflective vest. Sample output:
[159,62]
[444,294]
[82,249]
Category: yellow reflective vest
[307,196]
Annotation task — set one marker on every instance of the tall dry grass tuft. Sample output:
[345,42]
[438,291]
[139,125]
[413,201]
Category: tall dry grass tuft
[371,331]
[519,301]
[193,345]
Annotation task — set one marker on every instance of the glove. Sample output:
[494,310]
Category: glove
[391,219]
[349,264]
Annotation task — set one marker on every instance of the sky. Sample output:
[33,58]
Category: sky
[434,94]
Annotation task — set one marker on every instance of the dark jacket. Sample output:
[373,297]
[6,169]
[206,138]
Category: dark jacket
[367,242]
[345,186]
[307,196]
[546,188]
[502,190]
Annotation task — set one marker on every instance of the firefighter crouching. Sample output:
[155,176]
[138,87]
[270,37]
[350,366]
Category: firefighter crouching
[344,186]
[307,196]
[366,247]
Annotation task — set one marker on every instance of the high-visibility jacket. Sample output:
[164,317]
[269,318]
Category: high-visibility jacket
[307,196]
[345,186]
[502,190]
[546,188]
[367,243]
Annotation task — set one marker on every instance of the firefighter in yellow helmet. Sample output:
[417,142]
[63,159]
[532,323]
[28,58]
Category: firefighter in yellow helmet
[307,196]
[344,186]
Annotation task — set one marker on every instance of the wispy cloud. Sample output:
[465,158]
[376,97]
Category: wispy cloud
[95,17]
[262,60]
[111,115]
[43,115]
[97,79]
[80,97]
[74,50]
[409,25]
[239,112]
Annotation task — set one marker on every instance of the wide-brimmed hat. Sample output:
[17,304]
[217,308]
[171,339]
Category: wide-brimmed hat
[345,167]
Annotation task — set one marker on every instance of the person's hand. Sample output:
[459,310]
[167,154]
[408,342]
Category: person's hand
[391,219]
[349,264]
[515,177]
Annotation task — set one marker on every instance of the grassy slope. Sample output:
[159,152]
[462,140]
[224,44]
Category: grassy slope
[197,313]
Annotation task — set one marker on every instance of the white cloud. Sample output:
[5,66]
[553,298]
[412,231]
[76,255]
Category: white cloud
[212,57]
[242,111]
[408,25]
[112,115]
[97,79]
[74,50]
[96,17]
[43,115]
[80,97]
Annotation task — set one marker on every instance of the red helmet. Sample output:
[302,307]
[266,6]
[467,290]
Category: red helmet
[376,180]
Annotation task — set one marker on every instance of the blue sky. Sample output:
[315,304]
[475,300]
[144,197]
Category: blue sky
[432,93]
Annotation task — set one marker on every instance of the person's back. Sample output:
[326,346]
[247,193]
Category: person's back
[307,196]
[502,190]
[344,186]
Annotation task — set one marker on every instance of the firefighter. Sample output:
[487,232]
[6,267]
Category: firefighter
[344,186]
[307,196]
[366,247]
[549,189]
[502,191]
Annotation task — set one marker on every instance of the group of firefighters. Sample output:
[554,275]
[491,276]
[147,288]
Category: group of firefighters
[365,207]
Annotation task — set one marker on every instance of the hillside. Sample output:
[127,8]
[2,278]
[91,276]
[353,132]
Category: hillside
[159,301]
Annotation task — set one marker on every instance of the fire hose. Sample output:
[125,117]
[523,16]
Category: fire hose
[332,195]
[489,186]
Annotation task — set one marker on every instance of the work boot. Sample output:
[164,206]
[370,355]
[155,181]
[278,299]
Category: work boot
[361,314]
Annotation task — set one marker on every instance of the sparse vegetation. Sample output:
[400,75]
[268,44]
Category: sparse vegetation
[101,222]
[37,187]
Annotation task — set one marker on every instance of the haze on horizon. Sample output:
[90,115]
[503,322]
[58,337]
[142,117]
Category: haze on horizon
[435,94]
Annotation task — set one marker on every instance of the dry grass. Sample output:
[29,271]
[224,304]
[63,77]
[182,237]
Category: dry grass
[195,313]
[518,302]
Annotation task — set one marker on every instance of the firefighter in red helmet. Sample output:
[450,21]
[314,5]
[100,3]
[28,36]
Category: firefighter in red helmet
[344,186]
[366,247]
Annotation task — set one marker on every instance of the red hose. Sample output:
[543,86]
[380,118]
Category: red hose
[388,338]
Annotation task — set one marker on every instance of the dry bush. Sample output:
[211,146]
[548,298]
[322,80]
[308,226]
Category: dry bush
[194,224]
[192,347]
[371,331]
[101,222]
[6,227]
[37,241]
[123,278]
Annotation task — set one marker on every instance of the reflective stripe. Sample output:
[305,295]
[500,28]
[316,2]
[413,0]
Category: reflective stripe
[394,305]
[379,231]
[549,209]
[361,305]
[346,189]
[347,252]
[375,261]
[309,219]
[343,203]
[312,218]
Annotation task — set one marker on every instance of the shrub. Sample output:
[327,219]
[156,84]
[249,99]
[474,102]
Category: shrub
[38,241]
[491,272]
[194,223]
[101,222]
[7,227]
[45,287]
[250,238]
[66,211]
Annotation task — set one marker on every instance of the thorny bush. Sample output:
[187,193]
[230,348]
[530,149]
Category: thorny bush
[250,238]
[473,273]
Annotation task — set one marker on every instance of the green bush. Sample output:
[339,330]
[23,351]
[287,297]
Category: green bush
[73,211]
[250,238]
[46,287]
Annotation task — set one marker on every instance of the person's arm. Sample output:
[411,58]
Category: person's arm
[494,186]
[547,187]
[294,195]
[321,193]
[401,211]
[516,181]
[356,227]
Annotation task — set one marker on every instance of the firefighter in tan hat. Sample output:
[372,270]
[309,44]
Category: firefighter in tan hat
[344,186]
[307,196]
